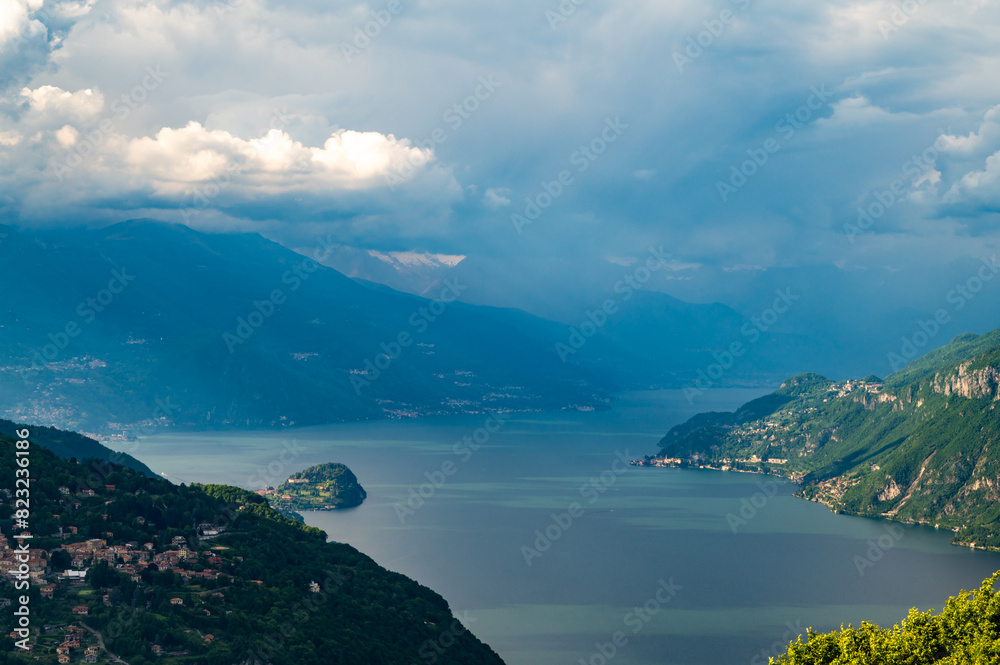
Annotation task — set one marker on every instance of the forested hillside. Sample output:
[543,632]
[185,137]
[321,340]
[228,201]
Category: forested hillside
[919,447]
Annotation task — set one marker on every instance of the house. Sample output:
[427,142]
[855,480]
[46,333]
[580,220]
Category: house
[157,649]
[48,590]
[82,610]
[88,493]
[62,650]
[209,639]
[110,488]
[176,601]
[63,658]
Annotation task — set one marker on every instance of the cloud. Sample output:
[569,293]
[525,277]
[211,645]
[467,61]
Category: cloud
[50,104]
[175,159]
[16,19]
[858,111]
[987,135]
[344,125]
[497,197]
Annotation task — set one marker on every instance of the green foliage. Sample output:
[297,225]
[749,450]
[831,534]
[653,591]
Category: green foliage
[920,447]
[327,486]
[285,596]
[965,632]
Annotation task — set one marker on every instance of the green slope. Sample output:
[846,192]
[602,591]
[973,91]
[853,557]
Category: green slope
[919,447]
[320,487]
[71,444]
[266,589]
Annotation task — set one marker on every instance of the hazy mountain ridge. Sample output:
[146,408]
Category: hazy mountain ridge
[919,447]
[238,331]
[102,328]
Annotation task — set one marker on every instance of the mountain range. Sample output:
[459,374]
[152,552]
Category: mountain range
[920,446]
[143,325]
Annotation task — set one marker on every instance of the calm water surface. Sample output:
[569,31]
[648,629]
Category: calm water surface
[741,564]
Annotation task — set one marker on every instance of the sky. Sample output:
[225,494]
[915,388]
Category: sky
[743,135]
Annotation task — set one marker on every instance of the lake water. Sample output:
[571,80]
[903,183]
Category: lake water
[688,567]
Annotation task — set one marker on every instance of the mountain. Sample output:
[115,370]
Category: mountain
[845,322]
[71,444]
[135,569]
[144,325]
[409,272]
[920,446]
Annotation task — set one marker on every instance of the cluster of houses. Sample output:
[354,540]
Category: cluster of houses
[130,559]
[72,641]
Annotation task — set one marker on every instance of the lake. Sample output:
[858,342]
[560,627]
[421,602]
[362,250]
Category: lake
[556,551]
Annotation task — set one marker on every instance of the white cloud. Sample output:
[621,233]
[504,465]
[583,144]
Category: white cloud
[51,104]
[857,111]
[175,159]
[981,187]
[987,136]
[497,197]
[15,18]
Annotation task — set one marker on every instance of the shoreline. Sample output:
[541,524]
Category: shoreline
[682,464]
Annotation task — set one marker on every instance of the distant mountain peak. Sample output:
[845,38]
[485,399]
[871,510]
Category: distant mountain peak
[403,260]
